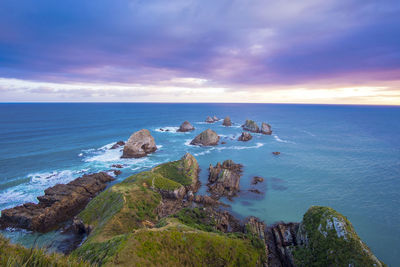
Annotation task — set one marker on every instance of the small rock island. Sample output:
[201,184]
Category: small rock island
[139,145]
[206,138]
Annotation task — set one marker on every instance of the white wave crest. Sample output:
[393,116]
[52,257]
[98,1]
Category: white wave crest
[168,129]
[281,140]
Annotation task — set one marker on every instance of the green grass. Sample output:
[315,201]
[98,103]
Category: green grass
[16,256]
[196,218]
[325,248]
[179,245]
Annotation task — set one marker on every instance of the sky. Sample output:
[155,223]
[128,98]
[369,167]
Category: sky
[267,51]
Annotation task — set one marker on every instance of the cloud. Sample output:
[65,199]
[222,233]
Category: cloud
[236,45]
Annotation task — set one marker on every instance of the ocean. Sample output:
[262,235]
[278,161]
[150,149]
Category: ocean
[345,157]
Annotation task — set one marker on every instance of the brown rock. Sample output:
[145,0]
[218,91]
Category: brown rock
[59,204]
[206,138]
[257,179]
[227,121]
[251,126]
[224,179]
[119,166]
[276,153]
[245,137]
[256,191]
[210,120]
[223,143]
[139,145]
[118,144]
[266,128]
[186,127]
[117,172]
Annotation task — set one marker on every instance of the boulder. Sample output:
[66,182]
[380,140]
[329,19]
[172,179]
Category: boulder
[118,144]
[139,145]
[227,121]
[257,179]
[251,126]
[276,153]
[186,127]
[224,179]
[60,203]
[245,137]
[117,172]
[206,138]
[210,120]
[223,143]
[119,166]
[266,128]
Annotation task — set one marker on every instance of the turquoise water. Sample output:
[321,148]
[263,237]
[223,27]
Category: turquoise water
[346,157]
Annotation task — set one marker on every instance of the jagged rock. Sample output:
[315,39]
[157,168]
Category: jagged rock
[215,118]
[59,204]
[224,179]
[327,238]
[117,172]
[257,179]
[223,143]
[205,200]
[281,238]
[255,191]
[119,166]
[266,128]
[118,144]
[206,138]
[227,121]
[210,120]
[251,126]
[276,153]
[139,145]
[80,227]
[245,137]
[255,226]
[186,127]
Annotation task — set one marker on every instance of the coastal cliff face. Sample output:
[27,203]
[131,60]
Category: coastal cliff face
[154,218]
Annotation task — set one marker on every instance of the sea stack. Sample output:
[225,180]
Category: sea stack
[227,121]
[251,126]
[245,137]
[139,145]
[186,127]
[206,138]
[266,128]
[210,120]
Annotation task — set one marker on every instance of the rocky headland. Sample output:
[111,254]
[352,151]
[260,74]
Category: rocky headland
[59,204]
[139,145]
[158,218]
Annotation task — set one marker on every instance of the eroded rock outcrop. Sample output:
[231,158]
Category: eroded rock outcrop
[327,238]
[186,127]
[280,242]
[245,136]
[209,120]
[59,204]
[118,144]
[251,126]
[139,145]
[224,179]
[266,128]
[206,138]
[227,121]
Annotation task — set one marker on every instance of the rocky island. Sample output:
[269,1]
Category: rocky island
[206,138]
[139,145]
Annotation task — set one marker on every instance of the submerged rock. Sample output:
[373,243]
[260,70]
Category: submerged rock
[227,121]
[224,179]
[257,179]
[251,126]
[186,127]
[206,138]
[266,128]
[327,238]
[139,145]
[245,137]
[119,166]
[118,144]
[59,204]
